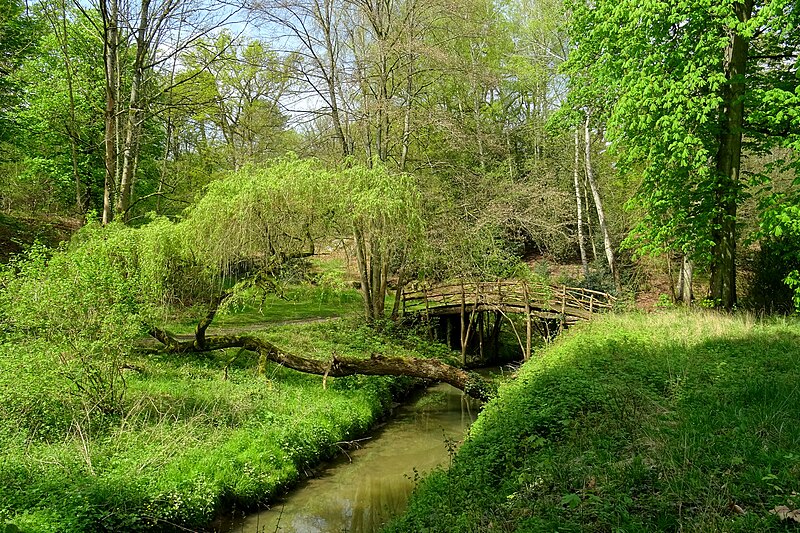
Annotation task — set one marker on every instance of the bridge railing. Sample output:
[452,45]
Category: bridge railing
[514,296]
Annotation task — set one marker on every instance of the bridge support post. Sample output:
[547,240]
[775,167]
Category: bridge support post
[449,331]
[480,334]
[464,331]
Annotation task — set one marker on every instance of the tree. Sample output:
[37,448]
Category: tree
[382,212]
[61,123]
[317,28]
[263,215]
[138,39]
[17,40]
[679,80]
[235,89]
[598,204]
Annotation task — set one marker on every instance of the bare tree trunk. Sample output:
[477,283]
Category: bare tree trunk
[588,209]
[598,203]
[376,365]
[363,271]
[398,294]
[110,14]
[339,366]
[375,278]
[684,288]
[581,246]
[135,113]
[406,141]
[324,15]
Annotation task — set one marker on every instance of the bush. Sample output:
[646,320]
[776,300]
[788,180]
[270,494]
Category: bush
[770,267]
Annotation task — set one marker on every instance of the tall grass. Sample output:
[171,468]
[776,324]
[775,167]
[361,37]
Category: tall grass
[197,435]
[663,422]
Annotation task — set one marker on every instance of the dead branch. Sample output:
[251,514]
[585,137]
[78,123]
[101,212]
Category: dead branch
[339,366]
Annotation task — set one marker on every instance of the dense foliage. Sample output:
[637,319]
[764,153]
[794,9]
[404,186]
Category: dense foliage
[97,434]
[679,85]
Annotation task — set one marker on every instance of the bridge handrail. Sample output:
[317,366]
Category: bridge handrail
[524,293]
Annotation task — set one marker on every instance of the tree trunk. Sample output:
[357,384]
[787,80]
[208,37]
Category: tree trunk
[398,294]
[338,366]
[363,271]
[407,112]
[722,289]
[130,146]
[588,209]
[581,245]
[110,15]
[62,35]
[325,20]
[601,217]
[684,288]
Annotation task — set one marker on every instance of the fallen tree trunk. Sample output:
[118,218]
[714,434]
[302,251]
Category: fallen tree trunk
[377,365]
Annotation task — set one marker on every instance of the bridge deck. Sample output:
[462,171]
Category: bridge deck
[533,300]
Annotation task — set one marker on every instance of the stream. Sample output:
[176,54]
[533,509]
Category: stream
[363,489]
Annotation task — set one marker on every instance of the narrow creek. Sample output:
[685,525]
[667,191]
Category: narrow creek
[362,490]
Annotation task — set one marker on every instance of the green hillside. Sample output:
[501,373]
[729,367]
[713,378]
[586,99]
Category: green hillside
[666,422]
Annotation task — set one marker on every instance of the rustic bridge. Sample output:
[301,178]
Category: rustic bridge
[539,304]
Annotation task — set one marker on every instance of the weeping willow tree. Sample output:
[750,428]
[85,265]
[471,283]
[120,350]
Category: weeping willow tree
[259,216]
[262,216]
[272,213]
[382,212]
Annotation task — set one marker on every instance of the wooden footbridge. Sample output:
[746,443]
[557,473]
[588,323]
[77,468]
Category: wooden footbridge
[540,305]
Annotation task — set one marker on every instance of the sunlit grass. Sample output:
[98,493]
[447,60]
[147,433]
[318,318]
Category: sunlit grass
[681,420]
[198,434]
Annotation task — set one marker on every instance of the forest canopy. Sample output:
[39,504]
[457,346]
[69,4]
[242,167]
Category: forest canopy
[597,132]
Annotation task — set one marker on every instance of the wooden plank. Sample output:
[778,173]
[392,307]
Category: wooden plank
[510,296]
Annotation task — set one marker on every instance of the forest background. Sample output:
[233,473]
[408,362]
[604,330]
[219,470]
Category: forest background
[165,160]
[527,129]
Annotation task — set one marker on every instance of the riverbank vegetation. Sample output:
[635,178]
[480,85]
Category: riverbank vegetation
[168,171]
[661,422]
[186,437]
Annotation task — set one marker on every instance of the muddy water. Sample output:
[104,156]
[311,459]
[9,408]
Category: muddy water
[359,494]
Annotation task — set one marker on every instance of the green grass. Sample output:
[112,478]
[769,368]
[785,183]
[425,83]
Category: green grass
[329,296]
[198,435]
[294,304]
[667,422]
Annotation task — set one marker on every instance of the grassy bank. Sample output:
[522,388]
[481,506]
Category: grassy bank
[666,422]
[198,436]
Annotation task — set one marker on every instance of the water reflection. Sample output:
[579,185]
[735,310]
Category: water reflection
[361,496]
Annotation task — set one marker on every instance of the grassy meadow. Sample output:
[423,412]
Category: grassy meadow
[197,436]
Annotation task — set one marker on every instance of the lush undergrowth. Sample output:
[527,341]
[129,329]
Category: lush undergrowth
[668,422]
[195,436]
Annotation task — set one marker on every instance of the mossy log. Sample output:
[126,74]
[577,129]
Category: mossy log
[377,365]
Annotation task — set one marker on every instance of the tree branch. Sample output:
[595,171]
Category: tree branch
[339,366]
[202,326]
